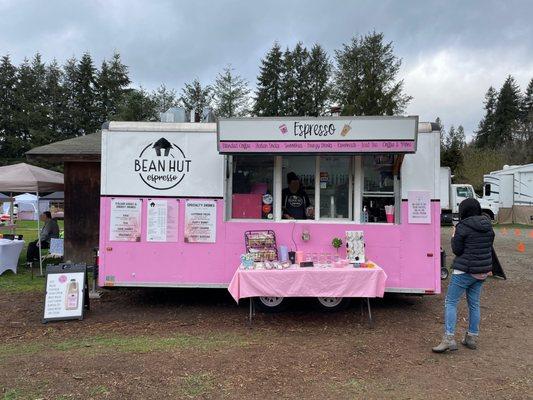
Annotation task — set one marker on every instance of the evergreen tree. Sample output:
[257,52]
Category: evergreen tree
[303,100]
[136,105]
[506,114]
[164,99]
[268,99]
[231,94]
[8,108]
[55,103]
[451,149]
[486,125]
[195,97]
[86,112]
[319,80]
[366,77]
[68,83]
[288,84]
[527,121]
[111,83]
[29,100]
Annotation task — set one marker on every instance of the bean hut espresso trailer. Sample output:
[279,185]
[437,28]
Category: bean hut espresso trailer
[177,198]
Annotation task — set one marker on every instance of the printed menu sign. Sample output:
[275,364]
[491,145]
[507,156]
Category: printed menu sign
[65,293]
[200,221]
[162,221]
[125,220]
[419,203]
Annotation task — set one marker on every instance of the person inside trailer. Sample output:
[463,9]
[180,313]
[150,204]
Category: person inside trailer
[294,200]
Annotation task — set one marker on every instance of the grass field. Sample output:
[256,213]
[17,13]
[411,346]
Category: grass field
[22,281]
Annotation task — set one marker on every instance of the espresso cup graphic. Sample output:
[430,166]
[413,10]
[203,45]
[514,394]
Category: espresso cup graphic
[345,129]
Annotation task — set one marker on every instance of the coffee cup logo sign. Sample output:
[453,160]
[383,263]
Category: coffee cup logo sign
[162,165]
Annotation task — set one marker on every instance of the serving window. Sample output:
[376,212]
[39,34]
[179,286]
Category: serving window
[379,194]
[251,187]
[330,187]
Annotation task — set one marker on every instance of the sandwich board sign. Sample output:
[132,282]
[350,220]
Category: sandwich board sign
[67,294]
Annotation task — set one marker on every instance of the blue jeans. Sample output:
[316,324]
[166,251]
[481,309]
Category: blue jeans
[459,284]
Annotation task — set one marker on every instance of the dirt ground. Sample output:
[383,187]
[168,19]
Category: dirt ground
[179,344]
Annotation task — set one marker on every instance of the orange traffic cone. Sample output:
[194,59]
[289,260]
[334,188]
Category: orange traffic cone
[521,247]
[531,233]
[517,232]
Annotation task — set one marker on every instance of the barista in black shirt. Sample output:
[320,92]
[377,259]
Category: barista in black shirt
[294,200]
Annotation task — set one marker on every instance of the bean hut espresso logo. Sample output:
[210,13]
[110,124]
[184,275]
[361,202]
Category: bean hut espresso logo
[162,165]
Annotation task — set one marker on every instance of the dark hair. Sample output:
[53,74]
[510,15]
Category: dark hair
[291,176]
[469,208]
[48,214]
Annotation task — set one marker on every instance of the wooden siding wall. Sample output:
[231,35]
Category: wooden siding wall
[82,210]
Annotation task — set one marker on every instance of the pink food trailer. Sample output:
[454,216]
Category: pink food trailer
[177,198]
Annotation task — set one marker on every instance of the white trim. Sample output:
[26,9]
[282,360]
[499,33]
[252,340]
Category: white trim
[161,126]
[358,188]
[277,188]
[169,285]
[408,290]
[317,188]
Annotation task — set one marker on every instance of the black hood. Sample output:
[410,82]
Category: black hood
[479,223]
[469,208]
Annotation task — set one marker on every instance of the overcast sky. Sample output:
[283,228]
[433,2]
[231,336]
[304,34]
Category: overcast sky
[452,51]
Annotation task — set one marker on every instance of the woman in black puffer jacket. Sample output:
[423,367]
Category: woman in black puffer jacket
[472,242]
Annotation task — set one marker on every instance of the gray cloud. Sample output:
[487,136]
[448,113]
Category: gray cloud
[451,50]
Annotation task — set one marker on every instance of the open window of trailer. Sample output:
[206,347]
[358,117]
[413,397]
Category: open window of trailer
[328,187]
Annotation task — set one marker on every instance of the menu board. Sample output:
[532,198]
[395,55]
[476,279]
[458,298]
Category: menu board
[200,221]
[419,203]
[162,221]
[66,293]
[125,220]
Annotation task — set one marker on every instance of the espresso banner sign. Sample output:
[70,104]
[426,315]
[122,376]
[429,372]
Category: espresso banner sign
[318,135]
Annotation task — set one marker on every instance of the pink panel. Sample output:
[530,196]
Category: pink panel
[362,146]
[401,250]
[246,206]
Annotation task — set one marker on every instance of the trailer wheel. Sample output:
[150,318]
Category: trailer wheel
[332,304]
[270,304]
[444,273]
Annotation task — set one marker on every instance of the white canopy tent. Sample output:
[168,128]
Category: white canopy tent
[26,178]
[27,206]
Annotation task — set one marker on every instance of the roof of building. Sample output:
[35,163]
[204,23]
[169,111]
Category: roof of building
[81,148]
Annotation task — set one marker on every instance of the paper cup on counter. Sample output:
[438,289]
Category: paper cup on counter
[389,213]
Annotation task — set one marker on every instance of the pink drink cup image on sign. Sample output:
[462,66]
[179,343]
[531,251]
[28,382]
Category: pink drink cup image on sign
[62,278]
[72,295]
[283,129]
[345,129]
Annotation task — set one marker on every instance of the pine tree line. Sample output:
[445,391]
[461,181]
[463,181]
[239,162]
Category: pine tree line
[42,103]
[508,122]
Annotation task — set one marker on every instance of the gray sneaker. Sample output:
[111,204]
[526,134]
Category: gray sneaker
[470,341]
[448,343]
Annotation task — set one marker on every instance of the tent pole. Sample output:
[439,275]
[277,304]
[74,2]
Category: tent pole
[11,210]
[39,236]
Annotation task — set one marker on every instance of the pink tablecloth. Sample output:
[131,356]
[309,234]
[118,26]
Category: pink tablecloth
[308,282]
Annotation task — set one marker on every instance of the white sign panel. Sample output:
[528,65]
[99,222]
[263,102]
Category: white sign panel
[200,221]
[162,221]
[305,134]
[125,220]
[161,163]
[419,203]
[64,295]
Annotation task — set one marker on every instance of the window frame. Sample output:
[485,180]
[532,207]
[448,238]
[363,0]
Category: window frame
[355,195]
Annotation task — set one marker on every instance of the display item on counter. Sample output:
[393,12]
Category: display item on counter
[283,253]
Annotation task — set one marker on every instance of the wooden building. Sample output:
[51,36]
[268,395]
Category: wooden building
[81,159]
